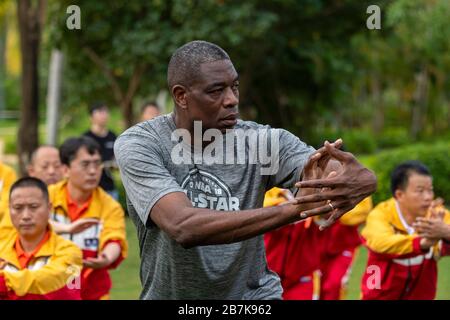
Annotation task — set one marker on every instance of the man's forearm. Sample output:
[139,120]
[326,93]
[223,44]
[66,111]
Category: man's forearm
[58,227]
[111,251]
[208,227]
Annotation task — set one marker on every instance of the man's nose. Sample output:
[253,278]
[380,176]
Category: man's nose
[429,195]
[26,214]
[92,170]
[231,98]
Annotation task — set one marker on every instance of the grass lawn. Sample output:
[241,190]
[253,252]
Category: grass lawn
[126,284]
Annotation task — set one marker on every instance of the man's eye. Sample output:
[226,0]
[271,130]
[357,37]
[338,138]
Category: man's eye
[215,91]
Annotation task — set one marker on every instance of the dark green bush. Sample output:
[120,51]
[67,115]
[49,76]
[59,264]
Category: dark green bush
[393,137]
[318,137]
[359,141]
[435,156]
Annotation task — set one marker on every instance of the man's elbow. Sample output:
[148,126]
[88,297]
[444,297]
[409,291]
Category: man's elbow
[185,239]
[183,234]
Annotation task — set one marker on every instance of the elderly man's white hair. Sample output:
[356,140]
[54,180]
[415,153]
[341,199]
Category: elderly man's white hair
[185,63]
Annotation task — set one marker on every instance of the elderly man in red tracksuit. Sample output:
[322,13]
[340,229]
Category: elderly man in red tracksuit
[293,252]
[340,247]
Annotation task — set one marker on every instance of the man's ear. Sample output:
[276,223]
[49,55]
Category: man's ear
[398,194]
[30,170]
[65,170]
[50,209]
[179,94]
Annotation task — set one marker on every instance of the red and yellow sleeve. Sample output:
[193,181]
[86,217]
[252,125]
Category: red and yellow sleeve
[380,237]
[114,231]
[50,280]
[6,227]
[7,178]
[358,214]
[444,248]
[274,197]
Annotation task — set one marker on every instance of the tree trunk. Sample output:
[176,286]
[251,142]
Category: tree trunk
[123,98]
[127,112]
[3,35]
[377,101]
[29,27]
[420,103]
[440,106]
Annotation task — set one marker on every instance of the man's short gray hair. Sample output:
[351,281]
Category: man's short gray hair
[184,65]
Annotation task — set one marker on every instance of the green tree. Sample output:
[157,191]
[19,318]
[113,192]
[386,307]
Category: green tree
[123,47]
[309,66]
[403,68]
[421,29]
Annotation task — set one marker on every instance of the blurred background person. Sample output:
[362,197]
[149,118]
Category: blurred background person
[340,247]
[46,165]
[7,178]
[293,252]
[99,116]
[149,110]
[104,244]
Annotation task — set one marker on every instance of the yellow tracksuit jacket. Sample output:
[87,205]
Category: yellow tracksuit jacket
[95,283]
[53,273]
[7,178]
[403,269]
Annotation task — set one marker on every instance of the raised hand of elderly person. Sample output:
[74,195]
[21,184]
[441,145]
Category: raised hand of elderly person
[433,227]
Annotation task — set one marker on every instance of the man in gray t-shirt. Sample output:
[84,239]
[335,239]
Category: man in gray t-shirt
[195,181]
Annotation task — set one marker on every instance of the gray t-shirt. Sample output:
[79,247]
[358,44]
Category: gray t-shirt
[149,160]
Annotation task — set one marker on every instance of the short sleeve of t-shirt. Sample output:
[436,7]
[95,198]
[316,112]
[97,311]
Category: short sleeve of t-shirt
[142,169]
[293,155]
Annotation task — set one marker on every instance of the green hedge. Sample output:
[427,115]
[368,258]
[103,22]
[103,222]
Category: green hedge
[365,141]
[359,141]
[393,137]
[435,156]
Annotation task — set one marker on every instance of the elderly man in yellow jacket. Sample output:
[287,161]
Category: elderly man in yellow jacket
[103,244]
[36,263]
